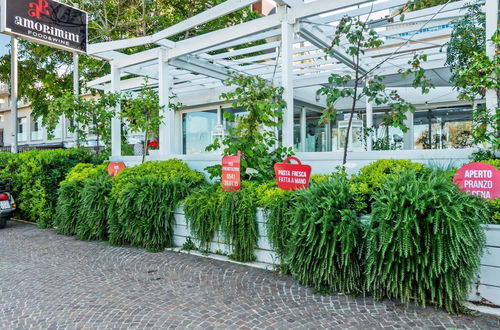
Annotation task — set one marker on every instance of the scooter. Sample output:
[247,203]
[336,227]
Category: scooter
[7,203]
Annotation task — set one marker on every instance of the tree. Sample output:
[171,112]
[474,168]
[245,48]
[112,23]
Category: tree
[45,73]
[142,113]
[93,115]
[474,73]
[360,38]
[255,133]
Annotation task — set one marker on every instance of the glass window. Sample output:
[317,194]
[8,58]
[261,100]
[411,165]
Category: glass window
[444,128]
[386,137]
[197,130]
[316,139]
[21,129]
[36,129]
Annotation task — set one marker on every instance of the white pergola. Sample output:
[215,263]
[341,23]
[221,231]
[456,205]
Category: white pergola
[286,48]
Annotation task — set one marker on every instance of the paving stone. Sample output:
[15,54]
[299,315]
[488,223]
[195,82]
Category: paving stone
[48,281]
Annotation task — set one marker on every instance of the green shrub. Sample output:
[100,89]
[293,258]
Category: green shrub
[495,211]
[67,209]
[69,202]
[83,171]
[371,177]
[326,245]
[203,213]
[424,241]
[144,212]
[170,170]
[93,213]
[239,222]
[36,176]
[5,158]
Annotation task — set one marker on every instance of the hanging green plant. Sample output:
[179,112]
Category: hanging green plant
[145,212]
[93,214]
[424,241]
[278,208]
[68,205]
[239,222]
[203,213]
[326,246]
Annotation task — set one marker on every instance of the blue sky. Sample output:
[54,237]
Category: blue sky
[4,44]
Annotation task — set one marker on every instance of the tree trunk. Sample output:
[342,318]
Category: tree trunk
[145,151]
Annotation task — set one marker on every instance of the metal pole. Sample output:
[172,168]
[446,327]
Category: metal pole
[13,93]
[76,90]
[116,128]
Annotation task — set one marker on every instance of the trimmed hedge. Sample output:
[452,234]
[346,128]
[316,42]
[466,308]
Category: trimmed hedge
[35,176]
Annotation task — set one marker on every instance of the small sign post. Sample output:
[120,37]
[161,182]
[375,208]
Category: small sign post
[231,177]
[479,179]
[115,167]
[292,176]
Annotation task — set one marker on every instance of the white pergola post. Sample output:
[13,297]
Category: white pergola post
[167,126]
[408,136]
[287,74]
[303,129]
[116,125]
[369,125]
[491,9]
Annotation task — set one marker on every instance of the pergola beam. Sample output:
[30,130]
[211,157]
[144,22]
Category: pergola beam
[318,38]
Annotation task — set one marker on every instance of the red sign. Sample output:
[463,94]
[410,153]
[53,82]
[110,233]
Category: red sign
[292,176]
[115,167]
[231,180]
[479,179]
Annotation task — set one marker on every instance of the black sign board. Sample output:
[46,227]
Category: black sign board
[47,22]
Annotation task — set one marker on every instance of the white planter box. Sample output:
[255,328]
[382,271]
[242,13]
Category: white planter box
[263,252]
[487,286]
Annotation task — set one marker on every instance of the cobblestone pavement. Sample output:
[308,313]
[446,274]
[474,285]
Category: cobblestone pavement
[51,281]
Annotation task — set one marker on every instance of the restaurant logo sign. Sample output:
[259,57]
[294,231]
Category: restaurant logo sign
[292,176]
[479,179]
[47,22]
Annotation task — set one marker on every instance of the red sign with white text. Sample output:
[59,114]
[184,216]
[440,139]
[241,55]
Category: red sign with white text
[479,179]
[231,180]
[292,176]
[115,167]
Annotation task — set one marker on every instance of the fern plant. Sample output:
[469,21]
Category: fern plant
[326,246]
[424,241]
[93,214]
[203,213]
[145,212]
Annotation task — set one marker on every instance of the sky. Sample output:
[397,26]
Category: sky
[4,44]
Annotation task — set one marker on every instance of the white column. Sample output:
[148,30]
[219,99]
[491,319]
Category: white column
[167,126]
[408,136]
[369,125]
[116,125]
[287,41]
[13,93]
[303,129]
[491,9]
